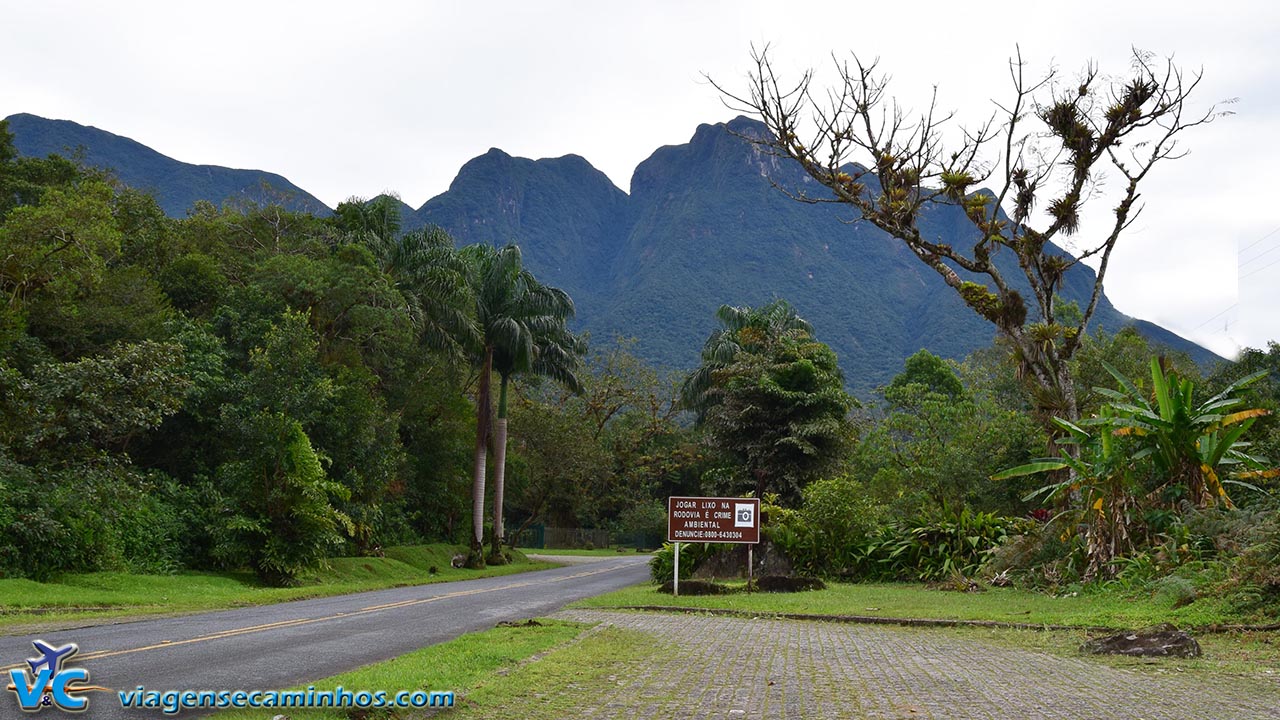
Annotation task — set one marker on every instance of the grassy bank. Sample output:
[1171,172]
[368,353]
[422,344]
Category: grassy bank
[100,596]
[1090,609]
[488,670]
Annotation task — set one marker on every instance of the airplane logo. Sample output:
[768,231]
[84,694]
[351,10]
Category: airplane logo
[49,683]
[52,657]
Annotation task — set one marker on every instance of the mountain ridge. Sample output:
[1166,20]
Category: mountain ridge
[176,184]
[705,224]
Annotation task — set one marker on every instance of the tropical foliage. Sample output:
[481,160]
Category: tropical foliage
[770,398]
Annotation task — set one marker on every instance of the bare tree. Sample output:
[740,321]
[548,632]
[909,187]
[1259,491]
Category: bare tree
[1050,145]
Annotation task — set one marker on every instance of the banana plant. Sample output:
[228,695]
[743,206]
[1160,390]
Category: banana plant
[1191,445]
[1103,479]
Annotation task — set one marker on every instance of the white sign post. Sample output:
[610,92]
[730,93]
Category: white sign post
[675,582]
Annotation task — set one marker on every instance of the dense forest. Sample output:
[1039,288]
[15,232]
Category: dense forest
[253,387]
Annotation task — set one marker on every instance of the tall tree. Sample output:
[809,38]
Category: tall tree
[1053,142]
[771,397]
[522,328]
[742,329]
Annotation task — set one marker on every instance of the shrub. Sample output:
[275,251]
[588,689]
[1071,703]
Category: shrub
[932,547]
[92,516]
[828,535]
[662,564]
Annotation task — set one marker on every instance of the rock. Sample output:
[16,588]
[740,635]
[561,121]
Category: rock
[1160,641]
[789,583]
[732,562]
[695,587]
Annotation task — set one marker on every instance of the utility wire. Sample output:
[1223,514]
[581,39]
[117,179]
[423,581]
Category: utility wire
[1215,317]
[1255,242]
[1258,270]
[1255,258]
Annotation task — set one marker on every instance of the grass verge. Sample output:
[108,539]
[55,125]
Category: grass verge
[492,676]
[561,684]
[466,665]
[101,596]
[1006,605]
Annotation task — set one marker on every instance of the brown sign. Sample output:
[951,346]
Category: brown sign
[710,519]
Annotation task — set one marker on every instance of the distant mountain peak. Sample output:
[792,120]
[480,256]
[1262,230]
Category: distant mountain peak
[176,185]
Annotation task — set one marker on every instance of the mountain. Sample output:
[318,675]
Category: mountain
[176,185]
[567,216]
[705,224]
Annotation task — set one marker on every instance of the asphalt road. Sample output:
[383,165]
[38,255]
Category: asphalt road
[278,646]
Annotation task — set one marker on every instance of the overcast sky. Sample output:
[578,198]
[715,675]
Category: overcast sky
[359,98]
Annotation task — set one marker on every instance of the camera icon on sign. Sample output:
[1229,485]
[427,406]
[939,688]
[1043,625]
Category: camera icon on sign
[744,515]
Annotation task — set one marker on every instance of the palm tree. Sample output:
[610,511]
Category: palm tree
[522,329]
[432,277]
[743,329]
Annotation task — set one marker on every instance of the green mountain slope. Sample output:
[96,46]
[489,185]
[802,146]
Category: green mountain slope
[176,185]
[706,224]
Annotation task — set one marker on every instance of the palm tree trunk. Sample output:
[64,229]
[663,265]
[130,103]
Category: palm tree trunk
[499,473]
[476,557]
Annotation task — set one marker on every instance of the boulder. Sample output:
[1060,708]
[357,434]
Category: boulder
[1161,641]
[694,587]
[789,583]
[732,562]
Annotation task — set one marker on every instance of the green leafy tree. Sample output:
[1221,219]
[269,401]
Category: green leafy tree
[284,523]
[933,452]
[283,520]
[772,398]
[928,371]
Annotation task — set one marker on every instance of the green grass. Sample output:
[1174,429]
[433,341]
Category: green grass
[102,595]
[579,552]
[491,674]
[1101,609]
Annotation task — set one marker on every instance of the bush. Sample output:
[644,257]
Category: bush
[1038,555]
[935,546]
[828,535]
[92,516]
[1176,591]
[662,564]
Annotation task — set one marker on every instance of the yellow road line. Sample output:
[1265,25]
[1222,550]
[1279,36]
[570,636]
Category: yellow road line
[308,621]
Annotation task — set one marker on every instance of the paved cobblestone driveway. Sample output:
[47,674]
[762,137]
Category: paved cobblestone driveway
[737,668]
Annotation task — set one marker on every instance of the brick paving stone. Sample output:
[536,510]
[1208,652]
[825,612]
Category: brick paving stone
[734,668]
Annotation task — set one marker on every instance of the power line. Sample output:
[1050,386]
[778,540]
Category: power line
[1255,258]
[1264,267]
[1214,318]
[1255,242]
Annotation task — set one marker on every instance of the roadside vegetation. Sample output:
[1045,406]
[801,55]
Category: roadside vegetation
[253,389]
[483,669]
[109,595]
[253,392]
